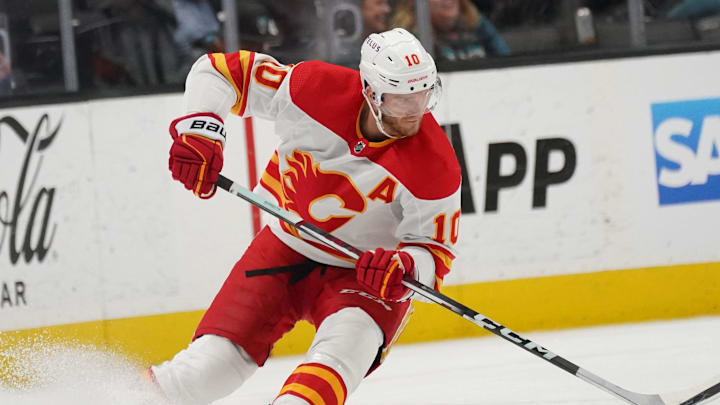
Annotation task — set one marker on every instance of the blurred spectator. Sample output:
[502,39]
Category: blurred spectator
[376,16]
[139,50]
[460,31]
[5,76]
[197,32]
[694,9]
[32,29]
[257,27]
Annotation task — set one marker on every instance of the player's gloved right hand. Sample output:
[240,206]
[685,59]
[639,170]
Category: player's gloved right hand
[196,155]
[381,273]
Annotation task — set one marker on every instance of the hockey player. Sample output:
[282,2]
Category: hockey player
[360,156]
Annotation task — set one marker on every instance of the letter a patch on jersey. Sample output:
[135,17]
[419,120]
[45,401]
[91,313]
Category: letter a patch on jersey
[385,190]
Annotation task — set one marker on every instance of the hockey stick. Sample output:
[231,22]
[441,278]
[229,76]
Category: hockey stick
[469,314]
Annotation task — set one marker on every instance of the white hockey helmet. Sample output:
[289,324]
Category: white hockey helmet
[395,62]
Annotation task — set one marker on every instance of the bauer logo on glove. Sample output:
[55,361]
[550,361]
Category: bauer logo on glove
[196,155]
[211,126]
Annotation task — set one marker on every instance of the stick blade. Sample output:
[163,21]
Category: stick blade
[704,393]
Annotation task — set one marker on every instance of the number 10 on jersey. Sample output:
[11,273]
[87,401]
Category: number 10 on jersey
[440,227]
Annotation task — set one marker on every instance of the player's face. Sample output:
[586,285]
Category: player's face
[444,14]
[402,127]
[402,113]
[375,15]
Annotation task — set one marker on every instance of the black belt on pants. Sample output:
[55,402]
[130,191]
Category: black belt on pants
[300,271]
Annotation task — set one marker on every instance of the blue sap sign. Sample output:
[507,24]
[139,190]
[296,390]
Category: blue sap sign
[687,142]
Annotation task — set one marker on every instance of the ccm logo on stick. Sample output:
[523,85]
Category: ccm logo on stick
[542,177]
[686,137]
[527,344]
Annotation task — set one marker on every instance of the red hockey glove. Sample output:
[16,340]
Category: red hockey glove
[196,155]
[381,273]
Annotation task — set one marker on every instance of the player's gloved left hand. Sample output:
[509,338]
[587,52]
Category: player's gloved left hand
[196,155]
[381,273]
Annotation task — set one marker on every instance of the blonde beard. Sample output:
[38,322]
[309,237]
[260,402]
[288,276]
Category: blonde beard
[397,128]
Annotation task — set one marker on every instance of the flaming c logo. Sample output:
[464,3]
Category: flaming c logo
[327,199]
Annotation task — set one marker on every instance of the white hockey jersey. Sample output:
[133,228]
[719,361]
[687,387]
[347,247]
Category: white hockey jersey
[395,194]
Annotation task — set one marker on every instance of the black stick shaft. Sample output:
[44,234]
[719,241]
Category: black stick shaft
[707,394]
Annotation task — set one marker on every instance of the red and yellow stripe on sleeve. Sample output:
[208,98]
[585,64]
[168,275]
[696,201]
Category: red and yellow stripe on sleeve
[317,384]
[270,179]
[442,257]
[236,67]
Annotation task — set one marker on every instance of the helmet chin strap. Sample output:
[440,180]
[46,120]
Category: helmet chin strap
[378,116]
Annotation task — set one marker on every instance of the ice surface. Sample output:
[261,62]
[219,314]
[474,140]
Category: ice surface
[649,357]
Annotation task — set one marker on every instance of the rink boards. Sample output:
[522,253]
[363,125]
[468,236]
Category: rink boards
[592,196]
